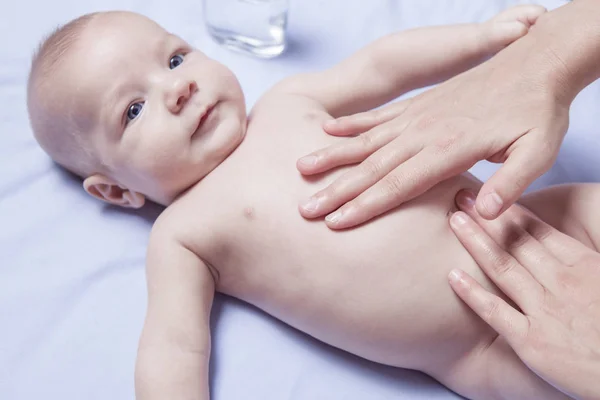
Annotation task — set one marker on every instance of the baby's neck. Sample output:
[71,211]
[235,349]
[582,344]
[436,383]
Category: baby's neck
[181,193]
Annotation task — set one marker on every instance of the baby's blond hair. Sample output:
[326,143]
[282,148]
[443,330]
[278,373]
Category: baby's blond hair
[57,131]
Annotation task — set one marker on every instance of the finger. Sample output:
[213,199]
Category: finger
[525,164]
[357,179]
[502,268]
[407,181]
[504,319]
[361,122]
[565,248]
[349,151]
[516,241]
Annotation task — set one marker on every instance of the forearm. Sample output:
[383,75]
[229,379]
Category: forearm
[567,41]
[404,61]
[167,372]
[398,63]
[413,59]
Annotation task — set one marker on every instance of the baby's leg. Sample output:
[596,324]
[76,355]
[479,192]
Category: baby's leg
[493,371]
[571,209]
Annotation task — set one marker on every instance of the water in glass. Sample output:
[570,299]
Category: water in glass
[256,27]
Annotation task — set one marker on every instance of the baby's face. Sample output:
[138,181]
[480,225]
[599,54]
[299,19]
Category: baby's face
[161,114]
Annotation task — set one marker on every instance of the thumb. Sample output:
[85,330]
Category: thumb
[524,165]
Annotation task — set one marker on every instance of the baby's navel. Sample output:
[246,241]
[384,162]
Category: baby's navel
[249,213]
[452,210]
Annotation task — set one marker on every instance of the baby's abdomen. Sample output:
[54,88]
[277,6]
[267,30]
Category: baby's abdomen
[379,291]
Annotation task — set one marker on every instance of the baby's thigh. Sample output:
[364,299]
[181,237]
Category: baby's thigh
[572,209]
[493,371]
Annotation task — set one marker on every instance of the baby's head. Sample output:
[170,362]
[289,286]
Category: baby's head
[132,109]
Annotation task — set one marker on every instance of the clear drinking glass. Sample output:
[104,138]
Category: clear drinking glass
[256,27]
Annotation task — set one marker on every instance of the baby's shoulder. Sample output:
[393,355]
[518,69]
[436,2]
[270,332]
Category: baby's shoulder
[169,223]
[180,222]
[278,102]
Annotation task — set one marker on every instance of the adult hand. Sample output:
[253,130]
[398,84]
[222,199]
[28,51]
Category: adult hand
[512,109]
[554,281]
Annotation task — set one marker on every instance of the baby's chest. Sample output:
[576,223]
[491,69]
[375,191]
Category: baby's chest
[289,125]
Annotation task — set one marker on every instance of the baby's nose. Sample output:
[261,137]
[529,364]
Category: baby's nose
[181,92]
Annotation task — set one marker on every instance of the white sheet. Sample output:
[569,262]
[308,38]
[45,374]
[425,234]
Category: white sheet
[72,289]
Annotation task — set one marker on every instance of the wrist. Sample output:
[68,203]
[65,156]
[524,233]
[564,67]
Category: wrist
[565,47]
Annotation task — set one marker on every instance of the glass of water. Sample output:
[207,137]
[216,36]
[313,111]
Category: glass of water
[256,27]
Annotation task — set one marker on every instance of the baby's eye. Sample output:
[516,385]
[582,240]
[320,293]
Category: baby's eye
[176,61]
[134,110]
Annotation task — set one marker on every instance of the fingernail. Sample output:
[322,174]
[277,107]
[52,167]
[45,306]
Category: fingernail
[455,276]
[458,219]
[331,122]
[334,217]
[466,200]
[308,160]
[492,203]
[311,204]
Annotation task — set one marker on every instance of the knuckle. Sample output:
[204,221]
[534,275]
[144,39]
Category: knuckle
[502,263]
[540,232]
[365,140]
[513,237]
[377,115]
[547,303]
[387,131]
[345,119]
[520,181]
[445,145]
[425,122]
[491,309]
[353,121]
[371,166]
[329,154]
[393,185]
[338,151]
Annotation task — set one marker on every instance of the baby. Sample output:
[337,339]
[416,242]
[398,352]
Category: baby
[140,114]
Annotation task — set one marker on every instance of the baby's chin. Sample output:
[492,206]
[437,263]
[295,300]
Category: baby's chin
[226,137]
[229,132]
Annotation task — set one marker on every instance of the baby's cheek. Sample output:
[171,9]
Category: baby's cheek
[147,158]
[158,160]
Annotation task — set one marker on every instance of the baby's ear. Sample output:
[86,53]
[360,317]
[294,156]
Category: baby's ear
[106,189]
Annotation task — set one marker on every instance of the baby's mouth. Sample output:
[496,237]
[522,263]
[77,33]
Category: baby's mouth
[203,117]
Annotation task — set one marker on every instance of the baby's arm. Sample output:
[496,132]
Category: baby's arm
[398,63]
[174,348]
